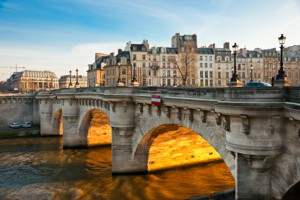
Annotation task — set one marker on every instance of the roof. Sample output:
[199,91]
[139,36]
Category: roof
[205,51]
[138,47]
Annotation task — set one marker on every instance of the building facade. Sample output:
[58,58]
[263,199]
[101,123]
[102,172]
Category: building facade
[184,64]
[206,66]
[29,81]
[67,81]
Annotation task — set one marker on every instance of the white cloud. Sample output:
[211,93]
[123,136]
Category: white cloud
[58,61]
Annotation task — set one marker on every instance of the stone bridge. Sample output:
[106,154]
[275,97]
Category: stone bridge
[256,131]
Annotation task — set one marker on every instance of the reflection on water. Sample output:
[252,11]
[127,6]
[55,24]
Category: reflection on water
[38,168]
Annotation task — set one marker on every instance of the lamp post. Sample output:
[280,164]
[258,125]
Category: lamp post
[281,73]
[251,68]
[234,76]
[234,81]
[119,77]
[119,82]
[134,75]
[70,83]
[76,78]
[174,81]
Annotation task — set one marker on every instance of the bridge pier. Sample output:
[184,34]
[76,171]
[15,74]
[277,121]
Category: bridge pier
[46,126]
[122,119]
[253,179]
[255,142]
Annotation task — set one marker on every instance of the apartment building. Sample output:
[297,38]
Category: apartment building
[206,66]
[223,65]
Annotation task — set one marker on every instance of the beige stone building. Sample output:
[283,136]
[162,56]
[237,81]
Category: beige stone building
[29,80]
[95,72]
[74,82]
[139,59]
[206,66]
[223,65]
[187,58]
[291,64]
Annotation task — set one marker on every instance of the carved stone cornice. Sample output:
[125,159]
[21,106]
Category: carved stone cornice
[71,118]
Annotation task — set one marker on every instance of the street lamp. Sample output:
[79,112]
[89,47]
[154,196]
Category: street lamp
[164,76]
[251,68]
[234,76]
[174,81]
[119,77]
[70,83]
[76,78]
[119,82]
[134,76]
[281,73]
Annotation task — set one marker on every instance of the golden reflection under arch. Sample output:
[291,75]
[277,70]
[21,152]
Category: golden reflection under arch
[96,127]
[58,122]
[173,146]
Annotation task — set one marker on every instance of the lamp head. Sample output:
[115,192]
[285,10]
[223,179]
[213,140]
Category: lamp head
[235,47]
[281,39]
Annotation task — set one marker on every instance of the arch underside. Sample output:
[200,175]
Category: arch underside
[95,128]
[58,122]
[150,127]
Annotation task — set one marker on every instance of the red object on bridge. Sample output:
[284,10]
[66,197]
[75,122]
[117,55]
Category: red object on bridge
[155,100]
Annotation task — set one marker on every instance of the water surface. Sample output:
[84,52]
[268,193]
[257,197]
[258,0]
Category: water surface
[39,168]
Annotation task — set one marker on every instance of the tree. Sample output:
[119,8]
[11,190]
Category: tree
[186,59]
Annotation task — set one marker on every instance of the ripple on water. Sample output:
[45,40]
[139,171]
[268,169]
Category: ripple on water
[38,168]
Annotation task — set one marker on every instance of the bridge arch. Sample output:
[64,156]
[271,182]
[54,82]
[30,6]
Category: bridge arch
[150,127]
[95,128]
[286,177]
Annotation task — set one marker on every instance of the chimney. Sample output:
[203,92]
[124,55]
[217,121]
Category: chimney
[119,51]
[226,45]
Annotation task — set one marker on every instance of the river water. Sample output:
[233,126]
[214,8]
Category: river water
[39,168]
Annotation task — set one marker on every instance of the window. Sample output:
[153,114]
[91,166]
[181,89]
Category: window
[123,71]
[206,74]
[210,58]
[149,82]
[227,74]
[201,57]
[163,58]
[205,64]
[144,57]
[210,82]
[144,64]
[134,56]
[239,66]
[210,74]
[206,82]
[201,74]
[210,65]
[201,65]
[193,82]
[219,75]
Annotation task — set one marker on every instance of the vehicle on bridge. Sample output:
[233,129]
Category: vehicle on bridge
[26,125]
[15,125]
[257,84]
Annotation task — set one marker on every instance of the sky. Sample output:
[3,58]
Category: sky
[63,35]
